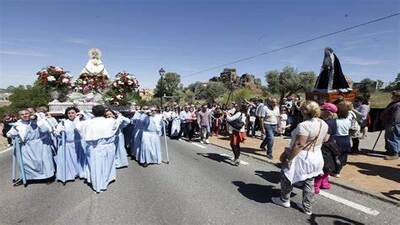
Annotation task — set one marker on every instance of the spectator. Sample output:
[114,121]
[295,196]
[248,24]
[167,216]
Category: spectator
[260,114]
[7,121]
[342,135]
[270,125]
[303,161]
[283,121]
[361,110]
[204,122]
[238,132]
[328,114]
[391,119]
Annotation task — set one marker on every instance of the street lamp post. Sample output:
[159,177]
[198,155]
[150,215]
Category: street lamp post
[162,72]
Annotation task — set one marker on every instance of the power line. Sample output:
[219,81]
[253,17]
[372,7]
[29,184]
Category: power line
[295,44]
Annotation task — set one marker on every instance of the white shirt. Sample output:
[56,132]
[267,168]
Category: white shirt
[271,116]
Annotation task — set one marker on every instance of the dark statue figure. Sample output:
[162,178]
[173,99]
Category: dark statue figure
[331,77]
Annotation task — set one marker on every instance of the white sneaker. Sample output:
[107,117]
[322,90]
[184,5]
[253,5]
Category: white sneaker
[207,141]
[202,142]
[278,201]
[180,139]
[301,207]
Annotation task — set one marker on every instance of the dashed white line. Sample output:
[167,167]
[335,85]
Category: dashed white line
[351,204]
[198,145]
[8,149]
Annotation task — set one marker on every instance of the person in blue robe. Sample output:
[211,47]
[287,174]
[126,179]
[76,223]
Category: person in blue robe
[121,157]
[37,155]
[137,134]
[151,147]
[73,165]
[99,136]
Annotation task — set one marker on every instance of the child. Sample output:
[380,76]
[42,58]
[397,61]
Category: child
[283,121]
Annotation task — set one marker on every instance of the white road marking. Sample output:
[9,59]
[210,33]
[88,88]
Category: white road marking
[8,149]
[198,145]
[228,156]
[351,204]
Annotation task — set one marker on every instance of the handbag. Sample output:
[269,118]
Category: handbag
[355,128]
[237,124]
[330,153]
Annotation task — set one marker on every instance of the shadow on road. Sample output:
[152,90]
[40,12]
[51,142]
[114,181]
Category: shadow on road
[391,194]
[256,192]
[338,220]
[371,153]
[386,172]
[253,151]
[217,157]
[271,176]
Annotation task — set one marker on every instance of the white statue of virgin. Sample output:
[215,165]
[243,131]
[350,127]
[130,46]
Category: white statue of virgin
[95,66]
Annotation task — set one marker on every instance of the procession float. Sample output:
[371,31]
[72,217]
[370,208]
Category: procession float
[92,87]
[331,83]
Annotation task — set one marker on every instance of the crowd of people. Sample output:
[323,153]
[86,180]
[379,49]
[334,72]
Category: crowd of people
[96,143]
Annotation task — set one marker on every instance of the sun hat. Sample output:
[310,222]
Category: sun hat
[329,107]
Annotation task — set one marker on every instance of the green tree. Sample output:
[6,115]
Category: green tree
[28,96]
[367,86]
[395,85]
[211,91]
[307,80]
[289,81]
[379,84]
[169,85]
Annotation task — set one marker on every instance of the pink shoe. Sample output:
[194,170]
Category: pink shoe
[326,186]
[316,190]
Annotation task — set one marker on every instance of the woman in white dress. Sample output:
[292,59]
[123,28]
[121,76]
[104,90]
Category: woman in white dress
[303,160]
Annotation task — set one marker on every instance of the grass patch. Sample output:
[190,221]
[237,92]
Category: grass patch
[380,99]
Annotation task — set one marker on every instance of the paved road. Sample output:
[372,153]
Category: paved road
[199,186]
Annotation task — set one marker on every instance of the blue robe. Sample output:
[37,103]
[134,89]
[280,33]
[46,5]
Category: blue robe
[99,135]
[137,134]
[36,149]
[151,146]
[74,163]
[121,157]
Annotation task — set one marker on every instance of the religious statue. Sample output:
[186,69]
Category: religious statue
[95,66]
[331,77]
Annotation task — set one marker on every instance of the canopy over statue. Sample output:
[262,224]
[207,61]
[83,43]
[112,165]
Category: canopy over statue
[95,66]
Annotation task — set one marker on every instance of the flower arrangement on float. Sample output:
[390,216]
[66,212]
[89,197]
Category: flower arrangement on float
[87,83]
[122,89]
[54,78]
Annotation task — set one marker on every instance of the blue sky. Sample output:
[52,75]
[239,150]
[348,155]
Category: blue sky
[189,36]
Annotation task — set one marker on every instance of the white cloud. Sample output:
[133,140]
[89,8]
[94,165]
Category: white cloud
[361,62]
[78,41]
[22,53]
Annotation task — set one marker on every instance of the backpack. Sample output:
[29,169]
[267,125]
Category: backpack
[237,124]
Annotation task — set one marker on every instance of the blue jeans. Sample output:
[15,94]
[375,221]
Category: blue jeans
[269,137]
[392,138]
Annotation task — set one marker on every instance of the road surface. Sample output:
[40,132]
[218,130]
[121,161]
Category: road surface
[199,186]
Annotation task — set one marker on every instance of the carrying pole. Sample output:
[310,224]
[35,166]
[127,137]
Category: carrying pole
[64,153]
[13,159]
[376,142]
[20,161]
[165,140]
